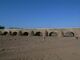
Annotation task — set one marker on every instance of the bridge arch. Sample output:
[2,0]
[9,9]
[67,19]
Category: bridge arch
[54,34]
[4,33]
[38,34]
[25,33]
[69,34]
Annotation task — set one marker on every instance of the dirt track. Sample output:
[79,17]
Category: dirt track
[37,48]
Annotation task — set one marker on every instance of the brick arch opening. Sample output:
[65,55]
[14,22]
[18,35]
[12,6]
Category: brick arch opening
[38,34]
[69,34]
[25,33]
[5,33]
[53,34]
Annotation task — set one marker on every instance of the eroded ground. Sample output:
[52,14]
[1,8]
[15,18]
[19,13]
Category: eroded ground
[37,48]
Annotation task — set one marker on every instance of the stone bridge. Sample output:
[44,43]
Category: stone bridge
[41,32]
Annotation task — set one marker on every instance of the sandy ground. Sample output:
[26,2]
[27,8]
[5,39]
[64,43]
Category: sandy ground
[37,48]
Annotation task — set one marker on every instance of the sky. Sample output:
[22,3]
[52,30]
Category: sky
[40,13]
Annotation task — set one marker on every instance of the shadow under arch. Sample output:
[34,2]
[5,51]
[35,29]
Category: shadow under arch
[69,34]
[38,34]
[54,34]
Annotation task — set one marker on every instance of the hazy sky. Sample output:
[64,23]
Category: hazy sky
[40,13]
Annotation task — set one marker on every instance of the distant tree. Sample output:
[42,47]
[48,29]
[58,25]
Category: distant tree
[2,27]
[15,28]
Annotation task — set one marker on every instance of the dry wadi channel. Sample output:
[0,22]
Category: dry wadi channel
[40,44]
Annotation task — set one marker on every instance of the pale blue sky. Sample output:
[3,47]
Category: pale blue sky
[40,13]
